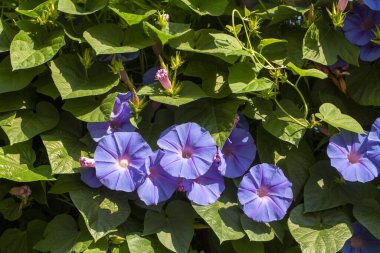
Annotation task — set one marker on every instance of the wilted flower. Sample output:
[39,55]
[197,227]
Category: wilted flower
[158,185]
[163,78]
[360,24]
[373,149]
[237,154]
[119,119]
[265,193]
[206,189]
[189,150]
[23,191]
[87,162]
[362,241]
[119,158]
[348,154]
[240,121]
[373,4]
[87,173]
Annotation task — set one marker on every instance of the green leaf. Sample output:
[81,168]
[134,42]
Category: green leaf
[139,244]
[282,126]
[204,7]
[189,92]
[363,84]
[307,72]
[210,42]
[63,146]
[79,8]
[66,183]
[91,109]
[245,246]
[112,39]
[28,124]
[213,73]
[171,31]
[16,80]
[6,36]
[14,240]
[368,214]
[217,116]
[10,209]
[136,17]
[16,164]
[174,228]
[323,44]
[242,78]
[294,161]
[266,42]
[102,209]
[284,12]
[223,217]
[331,114]
[33,8]
[325,189]
[61,235]
[13,101]
[318,232]
[71,81]
[45,85]
[256,231]
[33,49]
[6,119]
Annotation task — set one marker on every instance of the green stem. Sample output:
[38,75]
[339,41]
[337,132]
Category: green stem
[301,95]
[290,116]
[245,28]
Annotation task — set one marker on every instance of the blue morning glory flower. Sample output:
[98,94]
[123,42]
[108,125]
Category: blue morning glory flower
[237,154]
[359,25]
[149,76]
[373,150]
[348,154]
[189,150]
[362,241]
[158,185]
[265,193]
[122,57]
[206,189]
[373,4]
[119,119]
[119,158]
[370,52]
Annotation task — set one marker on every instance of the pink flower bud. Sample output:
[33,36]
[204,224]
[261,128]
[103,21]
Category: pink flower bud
[163,78]
[236,120]
[342,4]
[166,17]
[87,162]
[23,191]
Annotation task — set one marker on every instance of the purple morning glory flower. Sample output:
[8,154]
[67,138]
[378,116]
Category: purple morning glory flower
[265,193]
[122,57]
[362,241]
[370,52]
[189,150]
[348,154]
[87,173]
[119,119]
[119,158]
[150,75]
[373,149]
[373,4]
[163,77]
[158,185]
[206,189]
[359,25]
[237,154]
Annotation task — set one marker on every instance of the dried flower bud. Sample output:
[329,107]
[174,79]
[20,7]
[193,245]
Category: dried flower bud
[23,191]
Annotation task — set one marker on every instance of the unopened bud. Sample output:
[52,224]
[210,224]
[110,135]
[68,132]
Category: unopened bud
[342,5]
[23,191]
